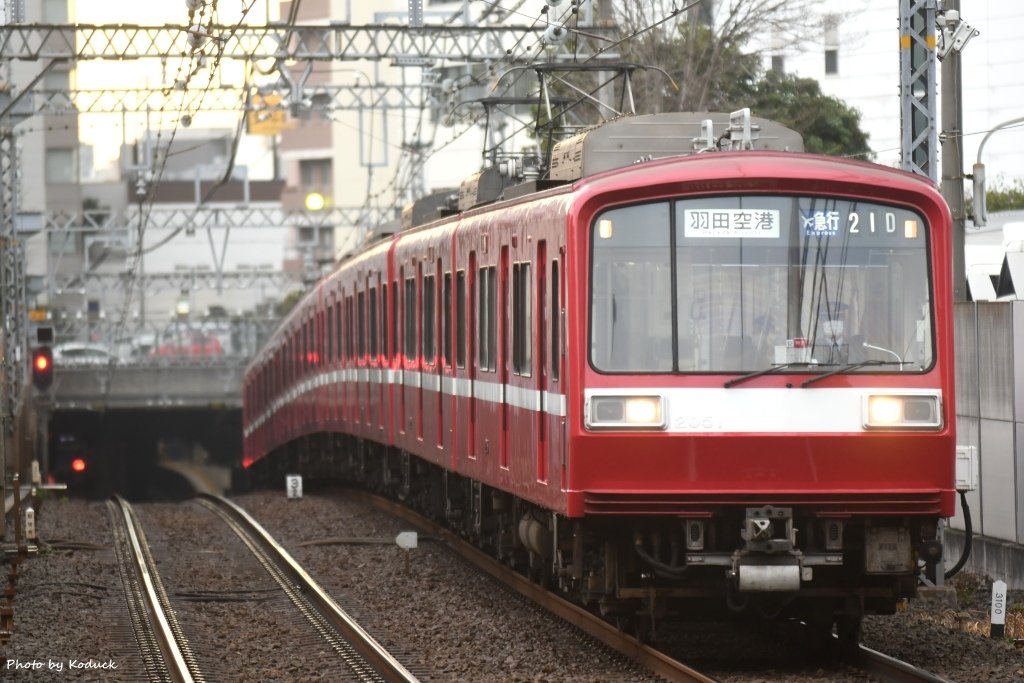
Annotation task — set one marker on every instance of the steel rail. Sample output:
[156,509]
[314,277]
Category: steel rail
[149,592]
[300,585]
[591,624]
[890,669]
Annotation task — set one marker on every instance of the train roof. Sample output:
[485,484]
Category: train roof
[629,140]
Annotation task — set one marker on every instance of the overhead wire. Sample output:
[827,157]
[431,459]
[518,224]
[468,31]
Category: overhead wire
[146,203]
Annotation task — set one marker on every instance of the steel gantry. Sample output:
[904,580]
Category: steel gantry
[278,44]
[303,43]
[225,98]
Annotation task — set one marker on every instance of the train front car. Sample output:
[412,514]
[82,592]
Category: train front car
[764,418]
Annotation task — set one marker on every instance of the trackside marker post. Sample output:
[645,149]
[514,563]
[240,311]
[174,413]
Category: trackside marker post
[998,626]
[407,540]
[293,486]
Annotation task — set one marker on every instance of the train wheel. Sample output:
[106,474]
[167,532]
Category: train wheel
[848,630]
[643,629]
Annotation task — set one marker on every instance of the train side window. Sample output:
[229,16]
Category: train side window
[384,320]
[428,319]
[350,328]
[481,318]
[338,332]
[304,347]
[394,318]
[460,319]
[373,323]
[330,332]
[361,314]
[410,318]
[446,320]
[556,316]
[522,316]
[492,316]
[488,318]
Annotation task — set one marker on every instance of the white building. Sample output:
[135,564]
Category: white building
[856,58]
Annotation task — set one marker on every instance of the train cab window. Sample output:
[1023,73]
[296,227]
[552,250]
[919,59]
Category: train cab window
[409,303]
[487,320]
[556,317]
[446,320]
[750,282]
[428,339]
[361,315]
[460,319]
[522,319]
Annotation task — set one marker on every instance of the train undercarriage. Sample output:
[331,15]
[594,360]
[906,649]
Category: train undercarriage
[762,562]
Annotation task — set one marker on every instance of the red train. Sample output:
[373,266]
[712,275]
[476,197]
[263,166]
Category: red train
[698,383]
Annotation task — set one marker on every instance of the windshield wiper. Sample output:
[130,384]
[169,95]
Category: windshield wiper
[767,371]
[852,366]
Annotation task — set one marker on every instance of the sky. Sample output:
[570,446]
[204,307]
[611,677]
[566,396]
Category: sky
[989,97]
[104,132]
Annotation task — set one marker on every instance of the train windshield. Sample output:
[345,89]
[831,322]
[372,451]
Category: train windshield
[746,283]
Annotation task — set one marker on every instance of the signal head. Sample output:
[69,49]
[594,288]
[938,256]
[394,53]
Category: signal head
[42,367]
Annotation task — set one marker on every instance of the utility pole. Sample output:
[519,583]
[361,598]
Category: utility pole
[926,33]
[955,34]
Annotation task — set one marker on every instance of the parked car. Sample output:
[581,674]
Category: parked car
[190,344]
[82,353]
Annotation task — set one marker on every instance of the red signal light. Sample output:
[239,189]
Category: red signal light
[42,368]
[78,465]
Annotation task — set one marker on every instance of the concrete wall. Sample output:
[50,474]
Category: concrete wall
[990,416]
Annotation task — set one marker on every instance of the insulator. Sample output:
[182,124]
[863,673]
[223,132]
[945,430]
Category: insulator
[554,35]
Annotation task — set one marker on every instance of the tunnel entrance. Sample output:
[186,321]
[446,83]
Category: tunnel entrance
[144,455]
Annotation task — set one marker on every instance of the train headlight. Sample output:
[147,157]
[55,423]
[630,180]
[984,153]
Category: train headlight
[625,412]
[895,411]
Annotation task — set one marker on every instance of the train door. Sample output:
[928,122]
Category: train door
[321,364]
[437,400]
[558,377]
[445,395]
[503,356]
[338,402]
[350,366]
[329,358]
[459,399]
[471,354]
[408,345]
[426,347]
[373,386]
[540,329]
[386,332]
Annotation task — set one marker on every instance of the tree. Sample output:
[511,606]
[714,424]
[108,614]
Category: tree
[828,125]
[1005,197]
[708,49]
[288,302]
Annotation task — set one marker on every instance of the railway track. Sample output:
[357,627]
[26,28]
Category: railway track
[889,669]
[591,624]
[365,658]
[880,666]
[163,646]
